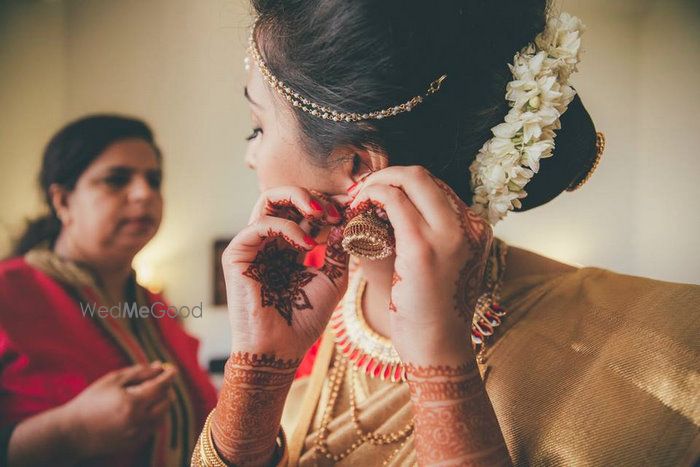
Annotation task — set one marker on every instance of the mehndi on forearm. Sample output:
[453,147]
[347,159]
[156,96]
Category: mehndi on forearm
[246,421]
[454,421]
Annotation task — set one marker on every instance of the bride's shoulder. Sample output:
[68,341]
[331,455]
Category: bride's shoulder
[521,262]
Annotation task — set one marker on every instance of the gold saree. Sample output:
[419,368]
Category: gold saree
[590,367]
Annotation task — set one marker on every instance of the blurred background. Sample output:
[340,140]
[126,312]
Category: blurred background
[179,65]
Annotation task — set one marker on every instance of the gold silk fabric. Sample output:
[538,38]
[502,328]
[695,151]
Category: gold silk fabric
[589,368]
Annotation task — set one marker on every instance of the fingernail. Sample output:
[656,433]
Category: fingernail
[310,241]
[316,205]
[364,176]
[332,211]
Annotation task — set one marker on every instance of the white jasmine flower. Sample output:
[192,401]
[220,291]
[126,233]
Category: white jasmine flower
[534,152]
[538,96]
[506,130]
[501,147]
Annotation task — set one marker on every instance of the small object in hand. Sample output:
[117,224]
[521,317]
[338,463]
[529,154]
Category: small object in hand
[368,236]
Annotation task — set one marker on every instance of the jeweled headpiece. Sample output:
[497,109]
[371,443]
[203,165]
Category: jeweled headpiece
[317,110]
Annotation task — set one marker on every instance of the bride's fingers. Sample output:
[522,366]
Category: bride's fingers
[244,246]
[429,198]
[311,228]
[331,208]
[288,197]
[335,265]
[409,225]
[342,200]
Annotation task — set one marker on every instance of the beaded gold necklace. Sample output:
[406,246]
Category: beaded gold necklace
[373,354]
[335,380]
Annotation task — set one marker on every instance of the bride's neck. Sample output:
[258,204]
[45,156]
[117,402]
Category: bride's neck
[375,301]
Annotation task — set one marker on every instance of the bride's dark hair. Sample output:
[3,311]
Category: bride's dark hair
[364,55]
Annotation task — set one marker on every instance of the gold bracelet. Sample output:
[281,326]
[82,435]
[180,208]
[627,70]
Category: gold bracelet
[205,454]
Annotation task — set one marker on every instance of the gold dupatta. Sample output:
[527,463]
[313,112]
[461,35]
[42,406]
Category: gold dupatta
[590,367]
[139,339]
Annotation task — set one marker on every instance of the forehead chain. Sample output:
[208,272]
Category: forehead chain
[318,110]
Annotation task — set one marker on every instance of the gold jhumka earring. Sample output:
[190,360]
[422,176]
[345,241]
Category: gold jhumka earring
[368,236]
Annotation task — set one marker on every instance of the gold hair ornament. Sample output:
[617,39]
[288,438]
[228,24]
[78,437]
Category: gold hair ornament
[600,147]
[317,110]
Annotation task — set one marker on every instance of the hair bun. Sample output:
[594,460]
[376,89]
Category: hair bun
[574,152]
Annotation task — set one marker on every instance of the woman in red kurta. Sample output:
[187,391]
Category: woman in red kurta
[79,386]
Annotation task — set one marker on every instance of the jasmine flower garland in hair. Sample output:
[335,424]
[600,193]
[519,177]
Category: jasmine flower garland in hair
[538,96]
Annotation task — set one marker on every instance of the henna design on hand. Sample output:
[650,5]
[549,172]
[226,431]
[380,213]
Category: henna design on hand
[282,279]
[479,235]
[286,209]
[246,421]
[274,234]
[473,226]
[395,279]
[468,287]
[336,262]
[454,419]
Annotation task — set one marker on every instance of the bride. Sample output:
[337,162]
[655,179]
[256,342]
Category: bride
[375,318]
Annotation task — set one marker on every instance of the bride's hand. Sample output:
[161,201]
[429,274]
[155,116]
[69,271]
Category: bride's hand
[441,251]
[276,304]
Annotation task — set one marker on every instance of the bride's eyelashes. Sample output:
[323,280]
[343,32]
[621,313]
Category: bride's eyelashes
[256,131]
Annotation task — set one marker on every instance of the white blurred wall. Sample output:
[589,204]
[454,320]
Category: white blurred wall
[179,65]
[32,102]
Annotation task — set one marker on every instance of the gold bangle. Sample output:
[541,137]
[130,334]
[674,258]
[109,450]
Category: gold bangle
[207,451]
[205,454]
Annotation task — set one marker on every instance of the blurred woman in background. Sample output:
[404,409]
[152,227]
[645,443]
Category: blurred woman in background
[77,387]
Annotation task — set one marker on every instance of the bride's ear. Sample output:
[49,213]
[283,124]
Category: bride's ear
[374,159]
[357,163]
